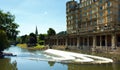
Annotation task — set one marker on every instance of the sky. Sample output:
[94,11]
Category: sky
[44,14]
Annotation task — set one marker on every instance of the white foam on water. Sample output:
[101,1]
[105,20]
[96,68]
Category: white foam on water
[76,57]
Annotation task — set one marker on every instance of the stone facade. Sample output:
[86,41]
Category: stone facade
[91,25]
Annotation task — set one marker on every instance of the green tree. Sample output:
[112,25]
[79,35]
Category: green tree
[8,30]
[32,39]
[3,41]
[8,25]
[24,39]
[51,32]
[42,38]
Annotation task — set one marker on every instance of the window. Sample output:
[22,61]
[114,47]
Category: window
[91,23]
[80,10]
[71,17]
[119,19]
[87,2]
[109,19]
[71,6]
[100,21]
[85,8]
[80,5]
[76,21]
[80,16]
[76,16]
[90,17]
[109,11]
[101,14]
[101,8]
[85,14]
[90,6]
[109,4]
[94,0]
[91,12]
[100,1]
[90,1]
[106,0]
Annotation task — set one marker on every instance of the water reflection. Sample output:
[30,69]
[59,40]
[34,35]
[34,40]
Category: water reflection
[5,64]
[116,66]
[113,66]
[51,63]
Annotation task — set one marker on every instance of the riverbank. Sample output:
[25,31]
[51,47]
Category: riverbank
[37,47]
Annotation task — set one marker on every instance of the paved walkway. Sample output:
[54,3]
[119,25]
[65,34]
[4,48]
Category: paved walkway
[62,56]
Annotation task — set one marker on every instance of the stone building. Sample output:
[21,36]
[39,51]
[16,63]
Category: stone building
[91,25]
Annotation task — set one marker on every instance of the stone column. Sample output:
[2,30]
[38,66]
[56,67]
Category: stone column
[66,42]
[106,42]
[94,43]
[57,42]
[78,42]
[113,41]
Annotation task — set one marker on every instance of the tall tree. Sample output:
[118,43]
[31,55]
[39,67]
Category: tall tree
[42,36]
[32,40]
[3,41]
[51,32]
[24,39]
[7,29]
[8,25]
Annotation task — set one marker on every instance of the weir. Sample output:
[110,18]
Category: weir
[57,56]
[76,57]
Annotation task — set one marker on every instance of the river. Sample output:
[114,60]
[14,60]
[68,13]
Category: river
[23,62]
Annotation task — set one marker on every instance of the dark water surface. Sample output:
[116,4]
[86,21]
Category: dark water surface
[23,62]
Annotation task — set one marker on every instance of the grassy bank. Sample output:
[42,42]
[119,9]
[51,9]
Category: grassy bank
[22,45]
[37,47]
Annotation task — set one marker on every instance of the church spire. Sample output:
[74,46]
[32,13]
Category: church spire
[36,31]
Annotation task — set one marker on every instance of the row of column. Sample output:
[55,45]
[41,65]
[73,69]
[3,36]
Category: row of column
[90,41]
